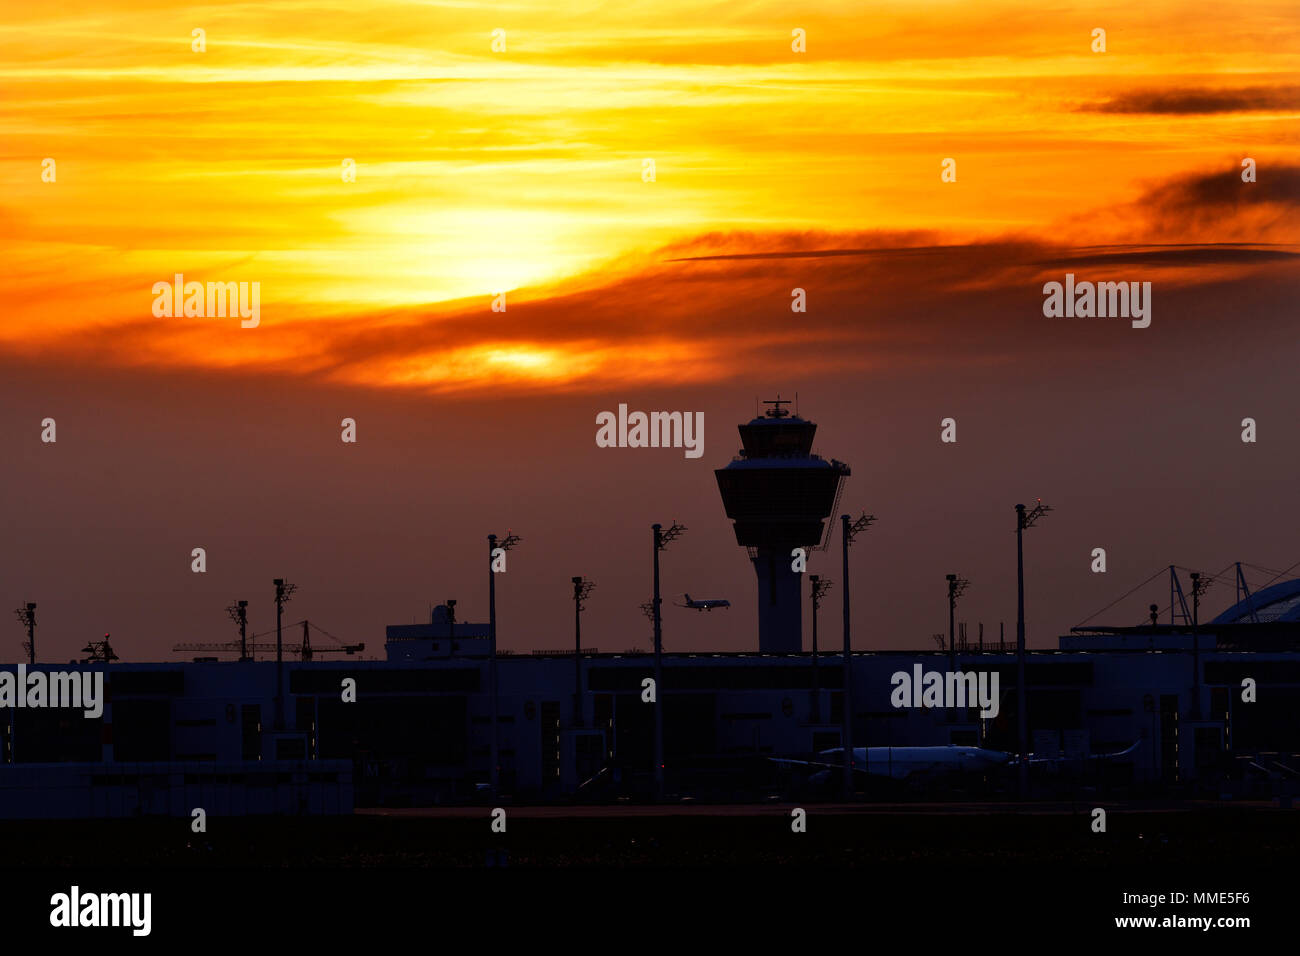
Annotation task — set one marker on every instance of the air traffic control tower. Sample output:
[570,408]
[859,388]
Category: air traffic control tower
[779,494]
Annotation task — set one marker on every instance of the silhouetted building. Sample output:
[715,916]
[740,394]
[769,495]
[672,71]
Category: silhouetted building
[178,735]
[441,637]
[779,494]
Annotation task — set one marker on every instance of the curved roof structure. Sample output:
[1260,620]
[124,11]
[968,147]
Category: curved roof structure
[1281,602]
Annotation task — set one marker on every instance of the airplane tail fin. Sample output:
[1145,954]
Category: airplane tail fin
[688,599]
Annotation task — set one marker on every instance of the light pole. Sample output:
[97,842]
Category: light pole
[1199,586]
[27,618]
[239,614]
[283,592]
[849,532]
[1023,520]
[956,587]
[493,549]
[582,589]
[820,586]
[661,541]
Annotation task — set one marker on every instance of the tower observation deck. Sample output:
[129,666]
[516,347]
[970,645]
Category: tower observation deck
[779,495]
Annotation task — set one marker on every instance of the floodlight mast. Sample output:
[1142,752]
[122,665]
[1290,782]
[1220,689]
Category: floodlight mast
[27,618]
[506,544]
[1024,519]
[956,588]
[661,539]
[850,531]
[1199,586]
[582,589]
[820,586]
[283,592]
[239,614]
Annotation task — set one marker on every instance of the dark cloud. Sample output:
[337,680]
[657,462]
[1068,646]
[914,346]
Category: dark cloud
[1276,184]
[1251,99]
[818,253]
[728,315]
[717,307]
[1220,206]
[1209,254]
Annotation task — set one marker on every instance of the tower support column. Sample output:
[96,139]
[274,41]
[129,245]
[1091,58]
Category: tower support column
[780,619]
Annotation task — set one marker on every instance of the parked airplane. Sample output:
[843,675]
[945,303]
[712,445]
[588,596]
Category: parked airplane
[705,605]
[901,763]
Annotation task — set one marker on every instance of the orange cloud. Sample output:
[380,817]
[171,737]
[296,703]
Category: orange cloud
[521,171]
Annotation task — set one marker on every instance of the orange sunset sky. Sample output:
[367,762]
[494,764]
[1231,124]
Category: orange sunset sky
[520,170]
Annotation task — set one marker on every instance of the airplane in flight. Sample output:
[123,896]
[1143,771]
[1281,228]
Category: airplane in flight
[904,763]
[705,605]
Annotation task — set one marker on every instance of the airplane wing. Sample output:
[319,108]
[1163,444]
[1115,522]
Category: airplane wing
[877,769]
[901,767]
[1050,760]
[817,766]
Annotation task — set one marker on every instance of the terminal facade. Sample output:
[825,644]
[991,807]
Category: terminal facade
[418,733]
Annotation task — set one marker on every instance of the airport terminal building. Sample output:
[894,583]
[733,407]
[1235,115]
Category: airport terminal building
[419,731]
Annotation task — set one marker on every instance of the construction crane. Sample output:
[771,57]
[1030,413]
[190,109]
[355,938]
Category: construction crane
[305,651]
